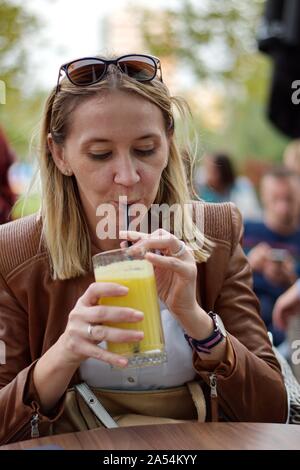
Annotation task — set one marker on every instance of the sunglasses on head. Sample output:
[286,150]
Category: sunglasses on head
[90,70]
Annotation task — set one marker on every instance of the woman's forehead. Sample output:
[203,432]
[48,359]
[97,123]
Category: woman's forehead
[113,113]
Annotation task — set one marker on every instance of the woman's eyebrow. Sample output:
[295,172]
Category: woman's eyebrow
[94,140]
[148,136]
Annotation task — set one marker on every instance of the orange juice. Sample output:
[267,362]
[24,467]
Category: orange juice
[138,276]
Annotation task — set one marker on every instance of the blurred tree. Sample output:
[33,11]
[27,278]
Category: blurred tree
[15,26]
[19,113]
[216,41]
[20,116]
[214,38]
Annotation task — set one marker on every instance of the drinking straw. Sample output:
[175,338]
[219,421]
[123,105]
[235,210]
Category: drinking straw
[124,207]
[127,222]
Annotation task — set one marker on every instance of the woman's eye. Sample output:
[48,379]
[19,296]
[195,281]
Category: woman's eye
[99,156]
[144,153]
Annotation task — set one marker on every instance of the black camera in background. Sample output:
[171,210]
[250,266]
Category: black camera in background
[280,25]
[279,36]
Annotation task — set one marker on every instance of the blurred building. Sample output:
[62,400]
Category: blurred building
[208,101]
[121,33]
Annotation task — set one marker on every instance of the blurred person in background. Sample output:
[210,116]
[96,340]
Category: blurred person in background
[286,314]
[291,157]
[7,197]
[217,182]
[291,160]
[273,245]
[287,306]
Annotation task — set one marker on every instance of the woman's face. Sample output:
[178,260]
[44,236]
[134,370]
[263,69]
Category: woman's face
[117,146]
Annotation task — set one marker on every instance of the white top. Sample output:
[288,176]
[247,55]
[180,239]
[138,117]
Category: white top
[175,372]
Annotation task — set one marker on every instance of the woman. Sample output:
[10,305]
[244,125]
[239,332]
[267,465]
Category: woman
[108,131]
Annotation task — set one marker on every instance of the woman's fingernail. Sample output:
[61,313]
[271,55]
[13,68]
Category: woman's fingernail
[138,314]
[123,289]
[139,335]
[149,253]
[122,362]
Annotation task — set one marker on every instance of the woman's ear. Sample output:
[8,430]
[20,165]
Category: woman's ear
[58,155]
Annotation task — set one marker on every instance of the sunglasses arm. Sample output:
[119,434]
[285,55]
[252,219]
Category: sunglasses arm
[59,75]
[160,71]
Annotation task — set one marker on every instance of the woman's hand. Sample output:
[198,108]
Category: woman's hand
[280,273]
[175,277]
[86,326]
[84,330]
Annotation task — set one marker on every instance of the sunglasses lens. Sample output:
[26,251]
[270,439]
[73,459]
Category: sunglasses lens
[138,67]
[86,71]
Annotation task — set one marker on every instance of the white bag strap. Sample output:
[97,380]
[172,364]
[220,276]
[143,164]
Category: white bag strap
[198,399]
[104,417]
[94,404]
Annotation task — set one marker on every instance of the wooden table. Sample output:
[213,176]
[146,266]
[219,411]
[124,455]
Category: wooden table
[179,436]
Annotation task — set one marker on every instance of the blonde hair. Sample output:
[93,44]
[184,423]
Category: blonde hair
[65,229]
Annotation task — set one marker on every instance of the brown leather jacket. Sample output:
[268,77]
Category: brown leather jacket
[34,311]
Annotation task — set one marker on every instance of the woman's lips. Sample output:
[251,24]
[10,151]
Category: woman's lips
[129,203]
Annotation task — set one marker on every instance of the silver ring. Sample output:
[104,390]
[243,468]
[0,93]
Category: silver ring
[180,251]
[90,330]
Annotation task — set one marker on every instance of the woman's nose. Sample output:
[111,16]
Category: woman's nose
[126,173]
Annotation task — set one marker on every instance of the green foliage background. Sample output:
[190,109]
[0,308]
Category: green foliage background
[230,27]
[227,28]
[20,114]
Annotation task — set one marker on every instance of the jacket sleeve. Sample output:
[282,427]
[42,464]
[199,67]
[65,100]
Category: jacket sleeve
[19,401]
[250,387]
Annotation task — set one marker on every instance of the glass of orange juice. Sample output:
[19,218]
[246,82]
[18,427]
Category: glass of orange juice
[128,267]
